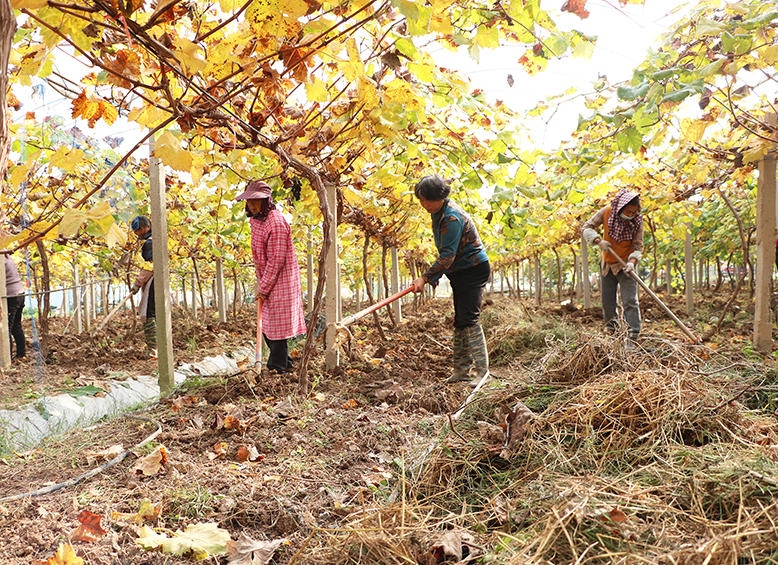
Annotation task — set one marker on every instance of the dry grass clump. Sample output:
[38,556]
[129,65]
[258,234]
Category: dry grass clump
[513,332]
[619,413]
[398,534]
[639,457]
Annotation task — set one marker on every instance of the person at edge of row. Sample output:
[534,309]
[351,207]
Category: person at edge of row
[463,259]
[141,226]
[622,235]
[14,290]
[279,287]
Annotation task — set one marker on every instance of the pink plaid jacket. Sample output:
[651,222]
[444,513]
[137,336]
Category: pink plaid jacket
[278,277]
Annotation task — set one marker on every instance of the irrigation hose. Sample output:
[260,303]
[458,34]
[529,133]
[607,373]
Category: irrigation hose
[93,472]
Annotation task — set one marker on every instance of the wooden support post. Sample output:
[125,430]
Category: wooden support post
[669,276]
[332,352]
[221,297]
[5,338]
[689,270]
[587,291]
[765,246]
[77,299]
[538,281]
[577,275]
[158,203]
[398,314]
[183,293]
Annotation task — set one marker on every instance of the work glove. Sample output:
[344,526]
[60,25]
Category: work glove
[135,288]
[604,245]
[630,268]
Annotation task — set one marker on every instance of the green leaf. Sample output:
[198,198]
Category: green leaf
[90,390]
[706,26]
[630,140]
[633,93]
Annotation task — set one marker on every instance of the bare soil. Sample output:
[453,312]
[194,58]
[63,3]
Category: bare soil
[321,461]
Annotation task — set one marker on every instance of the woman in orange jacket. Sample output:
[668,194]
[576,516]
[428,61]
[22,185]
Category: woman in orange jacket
[622,225]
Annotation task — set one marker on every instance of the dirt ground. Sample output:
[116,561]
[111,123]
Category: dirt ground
[249,453]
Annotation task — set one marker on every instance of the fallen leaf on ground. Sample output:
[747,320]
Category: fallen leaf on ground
[152,463]
[249,453]
[203,540]
[219,450]
[350,403]
[65,555]
[90,529]
[147,512]
[247,551]
[105,454]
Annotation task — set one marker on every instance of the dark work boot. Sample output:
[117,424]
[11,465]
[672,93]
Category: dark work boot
[463,357]
[150,334]
[480,354]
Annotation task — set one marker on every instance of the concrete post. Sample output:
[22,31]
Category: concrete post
[221,297]
[77,299]
[587,291]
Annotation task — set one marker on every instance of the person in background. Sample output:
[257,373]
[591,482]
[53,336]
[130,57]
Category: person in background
[622,225]
[279,288]
[14,290]
[463,259]
[141,226]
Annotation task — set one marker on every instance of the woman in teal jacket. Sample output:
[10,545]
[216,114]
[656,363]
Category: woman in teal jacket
[462,258]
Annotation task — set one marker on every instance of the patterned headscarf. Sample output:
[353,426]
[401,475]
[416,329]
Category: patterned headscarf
[623,230]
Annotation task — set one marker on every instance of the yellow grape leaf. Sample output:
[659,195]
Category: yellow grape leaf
[169,151]
[203,540]
[355,67]
[66,158]
[65,555]
[188,55]
[109,112]
[400,92]
[317,91]
[18,175]
[693,130]
[29,4]
[72,218]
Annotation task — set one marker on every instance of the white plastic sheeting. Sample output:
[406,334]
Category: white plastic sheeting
[30,424]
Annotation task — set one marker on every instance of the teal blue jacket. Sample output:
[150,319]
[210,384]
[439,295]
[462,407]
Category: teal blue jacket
[456,238]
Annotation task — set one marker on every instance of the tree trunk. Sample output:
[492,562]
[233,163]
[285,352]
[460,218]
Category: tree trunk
[652,281]
[741,278]
[558,275]
[719,276]
[46,299]
[199,283]
[385,279]
[7,30]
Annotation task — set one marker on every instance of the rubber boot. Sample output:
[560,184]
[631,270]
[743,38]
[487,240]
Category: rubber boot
[463,358]
[477,341]
[150,334]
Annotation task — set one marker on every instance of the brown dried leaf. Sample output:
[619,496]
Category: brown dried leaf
[90,529]
[152,463]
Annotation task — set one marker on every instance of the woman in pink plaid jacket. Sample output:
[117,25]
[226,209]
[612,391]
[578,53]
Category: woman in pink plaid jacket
[278,274]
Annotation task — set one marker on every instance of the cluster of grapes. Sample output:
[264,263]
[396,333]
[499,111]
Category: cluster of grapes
[297,187]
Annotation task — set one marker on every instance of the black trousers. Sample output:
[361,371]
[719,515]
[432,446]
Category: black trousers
[467,288]
[278,359]
[15,308]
